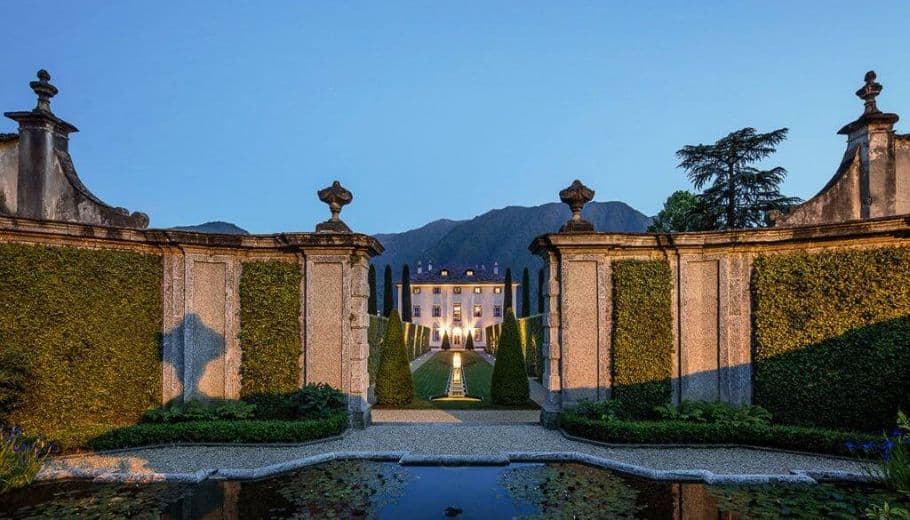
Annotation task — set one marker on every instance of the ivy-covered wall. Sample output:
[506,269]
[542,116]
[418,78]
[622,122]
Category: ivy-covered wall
[87,325]
[832,336]
[642,334]
[269,327]
[416,341]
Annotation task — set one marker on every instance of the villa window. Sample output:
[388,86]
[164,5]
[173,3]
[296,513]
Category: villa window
[497,311]
[478,311]
[415,290]
[456,290]
[478,290]
[444,272]
[436,335]
[456,311]
[478,335]
[437,311]
[456,338]
[416,311]
[497,290]
[436,290]
[469,272]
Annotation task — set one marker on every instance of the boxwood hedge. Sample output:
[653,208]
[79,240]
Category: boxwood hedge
[832,337]
[269,327]
[642,334]
[87,323]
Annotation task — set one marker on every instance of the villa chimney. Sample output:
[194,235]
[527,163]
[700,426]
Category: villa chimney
[419,267]
[429,266]
[495,268]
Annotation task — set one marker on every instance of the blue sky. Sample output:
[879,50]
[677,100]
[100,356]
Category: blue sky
[240,111]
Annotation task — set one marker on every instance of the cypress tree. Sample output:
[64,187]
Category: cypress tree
[394,385]
[509,385]
[446,345]
[387,288]
[507,298]
[540,282]
[525,294]
[406,293]
[371,303]
[469,344]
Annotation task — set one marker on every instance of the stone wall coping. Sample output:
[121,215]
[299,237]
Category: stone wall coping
[175,238]
[898,226]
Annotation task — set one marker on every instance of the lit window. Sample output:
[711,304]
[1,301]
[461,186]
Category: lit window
[456,290]
[469,272]
[478,334]
[497,290]
[436,290]
[437,311]
[456,311]
[478,311]
[497,311]
[416,312]
[415,290]
[444,272]
[478,290]
[457,338]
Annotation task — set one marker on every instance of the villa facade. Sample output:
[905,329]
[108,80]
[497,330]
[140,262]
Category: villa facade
[458,301]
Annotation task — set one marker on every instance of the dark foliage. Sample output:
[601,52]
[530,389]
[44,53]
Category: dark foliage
[540,283]
[469,343]
[371,303]
[682,211]
[509,385]
[525,293]
[387,295]
[446,342]
[507,292]
[394,385]
[309,402]
[406,293]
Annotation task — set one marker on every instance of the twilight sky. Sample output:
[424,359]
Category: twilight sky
[240,111]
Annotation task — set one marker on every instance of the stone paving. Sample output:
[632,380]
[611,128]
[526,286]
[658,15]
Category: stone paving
[454,443]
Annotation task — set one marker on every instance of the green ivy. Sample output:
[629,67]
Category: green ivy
[832,336]
[642,334]
[87,324]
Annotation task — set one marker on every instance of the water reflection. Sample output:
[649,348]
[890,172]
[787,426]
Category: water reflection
[362,489]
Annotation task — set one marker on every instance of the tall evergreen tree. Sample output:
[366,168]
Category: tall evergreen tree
[525,294]
[509,384]
[387,288]
[469,342]
[738,195]
[540,282]
[406,293]
[394,384]
[682,211]
[371,303]
[507,297]
[446,343]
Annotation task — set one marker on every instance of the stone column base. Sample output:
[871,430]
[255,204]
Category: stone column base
[360,420]
[549,419]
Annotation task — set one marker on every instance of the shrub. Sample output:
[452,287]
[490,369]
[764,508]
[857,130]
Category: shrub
[446,344]
[715,413]
[509,384]
[394,385]
[642,334]
[21,457]
[310,402]
[891,455]
[89,323]
[831,335]
[269,327]
[469,344]
[200,411]
[221,431]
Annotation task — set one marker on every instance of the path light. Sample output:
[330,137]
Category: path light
[456,360]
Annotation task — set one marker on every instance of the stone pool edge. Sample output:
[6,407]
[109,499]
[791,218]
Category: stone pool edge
[412,459]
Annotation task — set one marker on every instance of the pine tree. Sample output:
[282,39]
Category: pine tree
[525,294]
[446,344]
[507,297]
[540,282]
[738,195]
[394,384]
[387,288]
[371,303]
[509,384]
[406,293]
[469,344]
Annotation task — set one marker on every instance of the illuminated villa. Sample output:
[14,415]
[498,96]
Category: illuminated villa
[458,301]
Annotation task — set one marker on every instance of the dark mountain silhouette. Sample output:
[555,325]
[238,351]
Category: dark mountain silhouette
[501,235]
[219,227]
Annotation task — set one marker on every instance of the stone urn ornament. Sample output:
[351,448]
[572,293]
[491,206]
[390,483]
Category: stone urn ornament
[576,196]
[336,196]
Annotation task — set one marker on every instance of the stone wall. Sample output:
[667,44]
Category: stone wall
[201,350]
[711,302]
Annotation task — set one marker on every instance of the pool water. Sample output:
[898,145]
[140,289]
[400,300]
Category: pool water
[367,489]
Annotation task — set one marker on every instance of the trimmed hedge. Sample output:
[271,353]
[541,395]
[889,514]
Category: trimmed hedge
[221,431]
[509,384]
[269,327]
[530,333]
[87,322]
[416,341]
[799,438]
[832,337]
[394,384]
[642,335]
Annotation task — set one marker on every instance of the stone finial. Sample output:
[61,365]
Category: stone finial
[869,92]
[336,196]
[44,90]
[576,196]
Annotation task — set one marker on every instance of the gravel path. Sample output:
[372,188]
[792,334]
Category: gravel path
[455,439]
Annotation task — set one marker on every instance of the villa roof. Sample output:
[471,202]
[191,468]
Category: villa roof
[458,275]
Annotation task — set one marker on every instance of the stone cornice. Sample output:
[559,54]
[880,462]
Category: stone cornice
[66,231]
[889,226]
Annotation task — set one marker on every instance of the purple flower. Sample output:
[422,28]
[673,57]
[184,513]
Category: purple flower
[868,446]
[850,446]
[896,433]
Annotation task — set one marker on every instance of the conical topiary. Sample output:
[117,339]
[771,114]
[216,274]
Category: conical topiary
[469,344]
[394,385]
[509,385]
[446,344]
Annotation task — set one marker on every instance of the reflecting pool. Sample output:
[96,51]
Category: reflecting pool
[367,489]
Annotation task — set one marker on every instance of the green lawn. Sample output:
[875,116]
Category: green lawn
[431,378]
